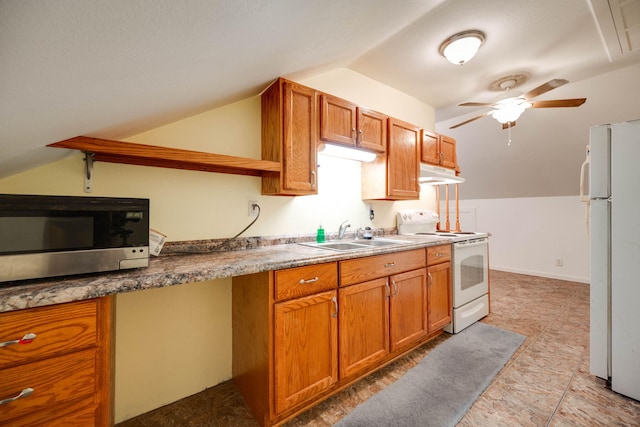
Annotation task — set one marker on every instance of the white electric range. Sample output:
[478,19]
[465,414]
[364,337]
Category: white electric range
[469,261]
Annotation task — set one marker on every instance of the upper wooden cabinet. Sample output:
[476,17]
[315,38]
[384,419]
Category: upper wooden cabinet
[438,149]
[395,176]
[345,123]
[289,136]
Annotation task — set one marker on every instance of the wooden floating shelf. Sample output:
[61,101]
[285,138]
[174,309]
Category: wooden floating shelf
[106,150]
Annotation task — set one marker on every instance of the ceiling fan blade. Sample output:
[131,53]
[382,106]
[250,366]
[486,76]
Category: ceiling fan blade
[475,104]
[470,120]
[553,103]
[508,125]
[546,87]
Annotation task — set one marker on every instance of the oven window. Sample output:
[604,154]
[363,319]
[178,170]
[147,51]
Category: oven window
[472,271]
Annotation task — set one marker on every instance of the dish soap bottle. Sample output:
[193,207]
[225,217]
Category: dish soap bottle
[320,234]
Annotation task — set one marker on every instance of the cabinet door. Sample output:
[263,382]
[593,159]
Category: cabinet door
[289,136]
[337,120]
[364,325]
[372,130]
[299,139]
[429,148]
[306,348]
[403,160]
[439,295]
[408,308]
[448,152]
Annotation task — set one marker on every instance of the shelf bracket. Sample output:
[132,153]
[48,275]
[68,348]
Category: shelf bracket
[89,158]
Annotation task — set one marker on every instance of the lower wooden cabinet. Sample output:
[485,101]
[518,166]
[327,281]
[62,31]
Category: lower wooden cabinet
[364,325]
[439,286]
[302,334]
[379,317]
[408,320]
[306,348]
[63,373]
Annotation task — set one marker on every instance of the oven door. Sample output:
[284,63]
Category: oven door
[470,270]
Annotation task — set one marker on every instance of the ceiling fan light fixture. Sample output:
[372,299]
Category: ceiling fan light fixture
[461,47]
[510,109]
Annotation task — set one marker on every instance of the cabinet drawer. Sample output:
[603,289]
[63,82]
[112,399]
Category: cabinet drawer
[363,269]
[307,280]
[438,254]
[54,381]
[58,329]
[80,413]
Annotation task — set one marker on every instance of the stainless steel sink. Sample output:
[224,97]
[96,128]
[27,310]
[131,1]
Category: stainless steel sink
[336,246]
[353,244]
[380,242]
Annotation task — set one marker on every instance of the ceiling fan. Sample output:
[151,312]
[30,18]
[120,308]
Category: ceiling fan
[511,104]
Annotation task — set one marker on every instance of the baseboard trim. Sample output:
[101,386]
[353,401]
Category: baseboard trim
[542,274]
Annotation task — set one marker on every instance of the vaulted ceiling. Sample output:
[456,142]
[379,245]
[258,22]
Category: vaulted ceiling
[114,69]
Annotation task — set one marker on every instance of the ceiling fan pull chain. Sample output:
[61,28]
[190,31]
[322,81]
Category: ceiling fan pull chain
[509,131]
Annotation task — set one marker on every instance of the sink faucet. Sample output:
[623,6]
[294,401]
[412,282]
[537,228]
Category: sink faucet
[343,228]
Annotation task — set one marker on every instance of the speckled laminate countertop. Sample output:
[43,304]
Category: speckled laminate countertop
[175,269]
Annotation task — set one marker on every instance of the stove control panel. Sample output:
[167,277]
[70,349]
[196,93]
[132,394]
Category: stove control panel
[417,216]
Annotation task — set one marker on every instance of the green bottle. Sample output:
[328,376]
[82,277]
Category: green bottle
[320,234]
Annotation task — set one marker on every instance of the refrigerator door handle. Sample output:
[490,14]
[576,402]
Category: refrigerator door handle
[584,197]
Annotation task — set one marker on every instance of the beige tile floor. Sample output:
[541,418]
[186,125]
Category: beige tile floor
[546,382]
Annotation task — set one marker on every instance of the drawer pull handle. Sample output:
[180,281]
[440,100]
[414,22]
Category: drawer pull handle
[303,282]
[26,339]
[24,393]
[335,304]
[389,264]
[430,278]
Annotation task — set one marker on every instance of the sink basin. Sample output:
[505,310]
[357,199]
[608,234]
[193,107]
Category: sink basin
[353,244]
[380,242]
[336,246]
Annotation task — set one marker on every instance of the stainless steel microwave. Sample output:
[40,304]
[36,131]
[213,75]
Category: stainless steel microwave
[48,236]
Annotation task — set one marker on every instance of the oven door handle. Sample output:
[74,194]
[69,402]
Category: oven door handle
[470,244]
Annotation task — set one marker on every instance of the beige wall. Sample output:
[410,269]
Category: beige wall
[174,342]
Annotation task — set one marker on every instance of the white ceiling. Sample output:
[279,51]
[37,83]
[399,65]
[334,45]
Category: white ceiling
[116,68]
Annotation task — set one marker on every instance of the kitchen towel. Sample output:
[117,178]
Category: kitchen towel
[443,386]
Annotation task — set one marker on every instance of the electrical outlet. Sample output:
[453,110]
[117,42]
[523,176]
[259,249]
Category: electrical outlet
[253,210]
[559,262]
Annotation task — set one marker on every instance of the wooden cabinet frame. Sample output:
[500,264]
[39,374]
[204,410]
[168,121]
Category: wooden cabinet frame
[437,149]
[346,123]
[382,313]
[289,136]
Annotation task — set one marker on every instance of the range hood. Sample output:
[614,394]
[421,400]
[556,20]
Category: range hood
[436,175]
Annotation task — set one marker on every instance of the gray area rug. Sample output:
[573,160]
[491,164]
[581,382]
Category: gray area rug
[443,386]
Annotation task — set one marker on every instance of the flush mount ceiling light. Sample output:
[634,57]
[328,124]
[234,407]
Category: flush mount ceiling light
[461,47]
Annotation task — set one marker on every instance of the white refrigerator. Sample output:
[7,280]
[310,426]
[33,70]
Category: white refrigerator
[614,223]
